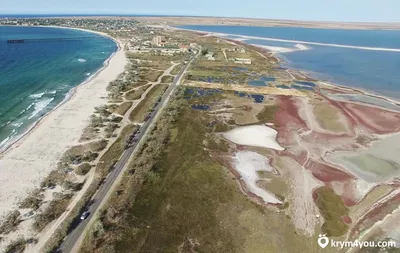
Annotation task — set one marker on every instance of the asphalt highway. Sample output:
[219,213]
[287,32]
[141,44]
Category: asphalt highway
[73,239]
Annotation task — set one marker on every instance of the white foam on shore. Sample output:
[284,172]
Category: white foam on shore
[248,164]
[255,135]
[39,106]
[38,95]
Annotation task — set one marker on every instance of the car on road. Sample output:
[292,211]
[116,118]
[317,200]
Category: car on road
[84,215]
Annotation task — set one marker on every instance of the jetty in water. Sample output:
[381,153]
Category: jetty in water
[52,39]
[15,41]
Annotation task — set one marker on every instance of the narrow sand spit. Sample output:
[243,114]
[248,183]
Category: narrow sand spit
[256,135]
[247,164]
[297,47]
[29,160]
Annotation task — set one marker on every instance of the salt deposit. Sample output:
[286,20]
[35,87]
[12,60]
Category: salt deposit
[256,135]
[247,164]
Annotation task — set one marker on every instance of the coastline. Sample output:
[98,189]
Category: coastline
[305,73]
[54,132]
[69,95]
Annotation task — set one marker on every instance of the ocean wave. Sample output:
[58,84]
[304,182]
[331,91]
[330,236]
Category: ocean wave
[82,60]
[26,109]
[39,106]
[37,95]
[88,74]
[52,92]
[5,124]
[17,124]
[3,142]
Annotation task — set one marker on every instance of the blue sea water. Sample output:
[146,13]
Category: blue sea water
[36,76]
[372,70]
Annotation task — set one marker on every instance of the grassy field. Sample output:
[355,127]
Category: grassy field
[267,115]
[176,70]
[123,108]
[327,116]
[190,203]
[146,105]
[332,209]
[114,152]
[136,94]
[150,75]
[167,79]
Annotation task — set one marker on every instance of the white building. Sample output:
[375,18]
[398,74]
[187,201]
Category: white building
[242,61]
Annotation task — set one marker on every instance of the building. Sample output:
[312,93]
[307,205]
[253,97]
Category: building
[184,48]
[159,41]
[210,57]
[242,61]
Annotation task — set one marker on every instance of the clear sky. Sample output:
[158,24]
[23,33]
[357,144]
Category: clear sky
[329,10]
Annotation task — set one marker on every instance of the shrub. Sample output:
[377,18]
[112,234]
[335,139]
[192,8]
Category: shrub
[53,211]
[83,169]
[10,222]
[34,200]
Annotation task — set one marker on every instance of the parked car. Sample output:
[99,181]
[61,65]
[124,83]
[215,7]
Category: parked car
[84,215]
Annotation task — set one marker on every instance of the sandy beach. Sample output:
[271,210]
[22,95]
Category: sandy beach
[24,165]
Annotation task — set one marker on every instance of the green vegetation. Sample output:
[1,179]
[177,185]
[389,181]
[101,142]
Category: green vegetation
[83,169]
[84,153]
[150,75]
[17,246]
[175,70]
[10,222]
[218,145]
[66,226]
[123,108]
[56,207]
[33,201]
[136,94]
[112,155]
[167,79]
[146,105]
[267,115]
[328,116]
[179,197]
[332,209]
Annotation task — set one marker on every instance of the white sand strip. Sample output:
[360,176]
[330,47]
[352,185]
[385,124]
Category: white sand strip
[297,47]
[30,159]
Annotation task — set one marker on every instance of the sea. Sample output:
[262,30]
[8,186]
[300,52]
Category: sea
[365,59]
[38,75]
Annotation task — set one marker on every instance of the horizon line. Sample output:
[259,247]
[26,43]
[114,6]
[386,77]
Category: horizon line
[43,15]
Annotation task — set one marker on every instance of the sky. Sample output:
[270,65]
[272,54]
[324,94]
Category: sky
[318,10]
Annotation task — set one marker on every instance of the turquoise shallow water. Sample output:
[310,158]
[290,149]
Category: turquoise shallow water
[37,76]
[376,71]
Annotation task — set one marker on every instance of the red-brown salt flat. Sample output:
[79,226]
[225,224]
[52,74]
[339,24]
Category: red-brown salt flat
[376,120]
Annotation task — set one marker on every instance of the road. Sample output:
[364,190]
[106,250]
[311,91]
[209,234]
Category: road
[72,242]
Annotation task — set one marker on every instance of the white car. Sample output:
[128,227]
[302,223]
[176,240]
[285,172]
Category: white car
[84,215]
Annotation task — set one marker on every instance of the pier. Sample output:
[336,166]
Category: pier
[12,41]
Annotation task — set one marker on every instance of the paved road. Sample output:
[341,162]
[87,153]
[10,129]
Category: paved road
[73,239]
